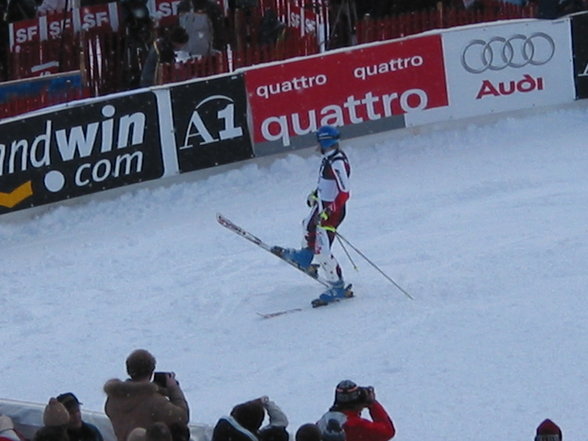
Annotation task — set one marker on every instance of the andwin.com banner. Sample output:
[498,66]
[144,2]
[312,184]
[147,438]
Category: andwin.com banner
[78,151]
[368,89]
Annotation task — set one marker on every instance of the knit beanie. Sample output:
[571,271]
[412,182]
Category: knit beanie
[347,393]
[140,363]
[548,431]
[308,432]
[250,414]
[137,434]
[55,414]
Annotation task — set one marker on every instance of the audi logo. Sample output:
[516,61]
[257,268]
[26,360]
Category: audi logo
[499,53]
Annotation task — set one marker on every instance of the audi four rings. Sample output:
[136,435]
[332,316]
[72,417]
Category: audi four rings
[516,51]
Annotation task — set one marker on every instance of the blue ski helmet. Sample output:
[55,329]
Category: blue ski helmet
[327,137]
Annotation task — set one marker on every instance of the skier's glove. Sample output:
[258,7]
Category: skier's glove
[327,212]
[312,198]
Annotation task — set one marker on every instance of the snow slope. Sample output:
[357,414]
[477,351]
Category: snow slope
[484,225]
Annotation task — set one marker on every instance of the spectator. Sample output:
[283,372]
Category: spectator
[308,432]
[77,429]
[245,421]
[272,30]
[204,22]
[54,6]
[55,422]
[167,49]
[7,430]
[138,35]
[350,400]
[138,402]
[548,431]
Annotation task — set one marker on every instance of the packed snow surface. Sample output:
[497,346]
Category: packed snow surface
[484,224]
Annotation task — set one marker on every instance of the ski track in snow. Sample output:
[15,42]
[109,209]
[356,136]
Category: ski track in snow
[484,225]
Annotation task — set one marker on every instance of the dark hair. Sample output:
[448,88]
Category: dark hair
[158,432]
[250,414]
[51,433]
[308,432]
[178,34]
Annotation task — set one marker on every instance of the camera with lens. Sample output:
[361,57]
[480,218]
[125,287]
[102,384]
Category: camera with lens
[366,394]
[160,378]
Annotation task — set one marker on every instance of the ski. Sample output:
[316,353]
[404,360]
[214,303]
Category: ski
[268,315]
[314,305]
[276,251]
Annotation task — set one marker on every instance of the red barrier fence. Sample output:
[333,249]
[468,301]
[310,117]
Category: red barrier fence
[108,59]
[369,30]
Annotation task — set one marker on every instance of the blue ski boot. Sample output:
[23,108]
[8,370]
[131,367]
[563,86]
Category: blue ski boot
[337,292]
[301,258]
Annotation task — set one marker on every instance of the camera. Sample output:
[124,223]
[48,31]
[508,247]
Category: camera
[160,378]
[366,395]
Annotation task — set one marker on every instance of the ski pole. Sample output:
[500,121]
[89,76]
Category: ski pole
[347,253]
[374,265]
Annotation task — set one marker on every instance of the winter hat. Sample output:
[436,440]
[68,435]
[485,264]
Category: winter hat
[333,431]
[347,392]
[140,364]
[69,400]
[548,431]
[308,432]
[274,433]
[55,414]
[137,434]
[249,415]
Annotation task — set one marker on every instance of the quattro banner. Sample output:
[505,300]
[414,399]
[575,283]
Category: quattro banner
[78,151]
[368,89]
[210,122]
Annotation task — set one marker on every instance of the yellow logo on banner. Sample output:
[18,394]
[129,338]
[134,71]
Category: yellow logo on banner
[17,195]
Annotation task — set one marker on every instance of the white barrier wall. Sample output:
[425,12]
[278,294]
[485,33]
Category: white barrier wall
[28,418]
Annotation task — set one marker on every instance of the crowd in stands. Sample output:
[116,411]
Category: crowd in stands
[215,36]
[150,406]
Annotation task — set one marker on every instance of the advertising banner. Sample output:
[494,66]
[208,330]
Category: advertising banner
[165,11]
[369,89]
[50,26]
[210,121]
[78,151]
[519,64]
[580,45]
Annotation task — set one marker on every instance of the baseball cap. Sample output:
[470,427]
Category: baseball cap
[68,399]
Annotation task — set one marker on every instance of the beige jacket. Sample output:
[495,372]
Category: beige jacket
[131,404]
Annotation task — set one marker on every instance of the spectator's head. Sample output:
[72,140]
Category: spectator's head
[55,414]
[348,395]
[273,433]
[72,404]
[308,432]
[137,434]
[199,4]
[548,431]
[178,37]
[158,432]
[140,365]
[250,414]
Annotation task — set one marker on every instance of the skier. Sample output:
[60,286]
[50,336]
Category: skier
[327,203]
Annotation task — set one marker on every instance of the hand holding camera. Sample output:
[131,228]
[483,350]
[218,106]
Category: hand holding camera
[165,379]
